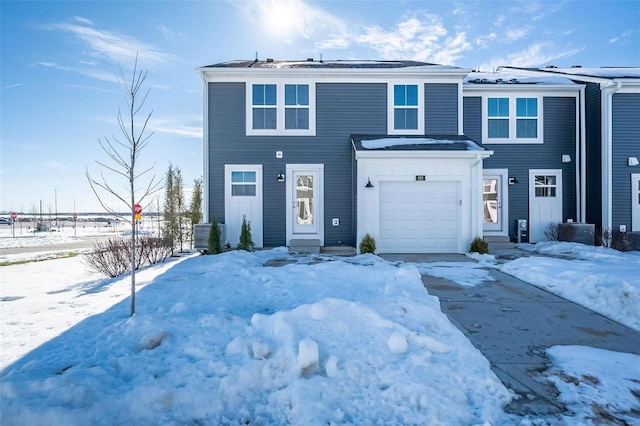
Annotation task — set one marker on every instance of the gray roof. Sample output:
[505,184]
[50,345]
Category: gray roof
[576,72]
[327,64]
[414,143]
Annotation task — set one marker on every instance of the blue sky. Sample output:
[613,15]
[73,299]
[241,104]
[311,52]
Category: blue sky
[59,61]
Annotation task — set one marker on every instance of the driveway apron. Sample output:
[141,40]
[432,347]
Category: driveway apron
[512,323]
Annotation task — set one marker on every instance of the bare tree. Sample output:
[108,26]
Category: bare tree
[123,154]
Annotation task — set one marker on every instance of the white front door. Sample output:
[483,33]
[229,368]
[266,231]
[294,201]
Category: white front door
[545,202]
[243,199]
[635,202]
[495,202]
[305,201]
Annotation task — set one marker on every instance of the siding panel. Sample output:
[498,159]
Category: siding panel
[594,153]
[625,143]
[441,109]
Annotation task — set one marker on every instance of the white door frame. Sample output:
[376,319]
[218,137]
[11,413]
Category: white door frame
[502,226]
[294,232]
[635,202]
[254,206]
[536,230]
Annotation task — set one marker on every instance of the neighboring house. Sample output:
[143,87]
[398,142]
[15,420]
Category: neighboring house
[612,102]
[532,125]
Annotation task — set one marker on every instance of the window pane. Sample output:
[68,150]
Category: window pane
[243,190]
[290,94]
[270,94]
[498,128]
[399,98]
[236,176]
[258,118]
[303,118]
[411,118]
[269,118]
[303,94]
[526,128]
[258,94]
[498,107]
[290,118]
[412,95]
[399,120]
[526,107]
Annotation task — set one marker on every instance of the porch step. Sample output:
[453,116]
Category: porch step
[304,246]
[496,243]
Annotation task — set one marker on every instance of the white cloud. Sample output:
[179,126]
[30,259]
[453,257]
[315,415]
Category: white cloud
[518,33]
[187,126]
[80,86]
[119,48]
[82,20]
[55,165]
[621,37]
[535,55]
[12,86]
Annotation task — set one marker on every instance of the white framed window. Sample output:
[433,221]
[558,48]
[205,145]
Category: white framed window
[243,183]
[512,119]
[279,108]
[405,109]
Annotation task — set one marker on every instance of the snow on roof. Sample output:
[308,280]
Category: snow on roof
[340,64]
[507,78]
[459,143]
[604,72]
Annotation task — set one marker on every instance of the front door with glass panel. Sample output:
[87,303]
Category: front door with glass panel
[304,201]
[494,201]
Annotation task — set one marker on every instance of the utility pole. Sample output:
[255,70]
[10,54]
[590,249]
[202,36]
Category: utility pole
[56,205]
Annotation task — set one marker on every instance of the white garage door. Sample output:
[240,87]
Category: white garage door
[419,217]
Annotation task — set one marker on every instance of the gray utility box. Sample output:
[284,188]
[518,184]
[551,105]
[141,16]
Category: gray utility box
[584,233]
[201,235]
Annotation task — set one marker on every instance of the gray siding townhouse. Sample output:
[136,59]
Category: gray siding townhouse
[324,152]
[612,123]
[532,125]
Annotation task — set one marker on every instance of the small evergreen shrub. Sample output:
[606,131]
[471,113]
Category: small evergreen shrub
[214,245]
[368,244]
[478,245]
[246,241]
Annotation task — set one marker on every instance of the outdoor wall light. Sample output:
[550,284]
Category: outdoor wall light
[566,158]
[513,181]
[632,161]
[280,177]
[369,184]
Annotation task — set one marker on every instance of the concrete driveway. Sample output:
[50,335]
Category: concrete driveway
[512,323]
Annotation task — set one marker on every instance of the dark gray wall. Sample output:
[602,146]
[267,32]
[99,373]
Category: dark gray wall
[593,119]
[625,143]
[441,109]
[559,115]
[341,110]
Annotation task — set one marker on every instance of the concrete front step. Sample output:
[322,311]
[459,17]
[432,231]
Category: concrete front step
[496,238]
[498,242]
[304,246]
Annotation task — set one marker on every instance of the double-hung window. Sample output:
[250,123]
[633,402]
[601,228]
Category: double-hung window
[406,108]
[278,108]
[296,106]
[264,106]
[512,119]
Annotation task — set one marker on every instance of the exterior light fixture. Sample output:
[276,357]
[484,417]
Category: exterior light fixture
[566,158]
[369,184]
[632,161]
[280,177]
[513,181]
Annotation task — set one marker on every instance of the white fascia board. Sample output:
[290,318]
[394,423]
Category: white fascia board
[547,90]
[411,155]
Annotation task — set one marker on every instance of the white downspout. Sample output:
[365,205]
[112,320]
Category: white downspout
[607,136]
[582,172]
[205,154]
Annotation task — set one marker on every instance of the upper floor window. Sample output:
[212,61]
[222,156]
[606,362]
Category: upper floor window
[280,109]
[405,109]
[264,106]
[296,106]
[512,119]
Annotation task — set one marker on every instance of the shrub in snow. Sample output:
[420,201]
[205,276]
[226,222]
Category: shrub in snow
[605,237]
[246,241]
[113,257]
[551,232]
[368,244]
[215,247]
[478,245]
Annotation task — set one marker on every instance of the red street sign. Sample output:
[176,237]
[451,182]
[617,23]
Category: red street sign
[13,215]
[137,209]
[75,216]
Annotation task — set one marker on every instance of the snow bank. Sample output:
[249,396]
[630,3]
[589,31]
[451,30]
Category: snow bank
[225,340]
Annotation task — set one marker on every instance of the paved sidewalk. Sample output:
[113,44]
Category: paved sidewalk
[512,323]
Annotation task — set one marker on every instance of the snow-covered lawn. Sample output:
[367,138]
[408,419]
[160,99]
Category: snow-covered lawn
[227,340]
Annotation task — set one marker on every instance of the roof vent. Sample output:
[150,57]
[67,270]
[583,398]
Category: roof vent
[551,66]
[269,59]
[576,66]
[309,59]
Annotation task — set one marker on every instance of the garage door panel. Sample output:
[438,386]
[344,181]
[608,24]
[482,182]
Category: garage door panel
[419,216]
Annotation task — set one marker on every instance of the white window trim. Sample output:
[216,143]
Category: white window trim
[280,107]
[512,120]
[391,109]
